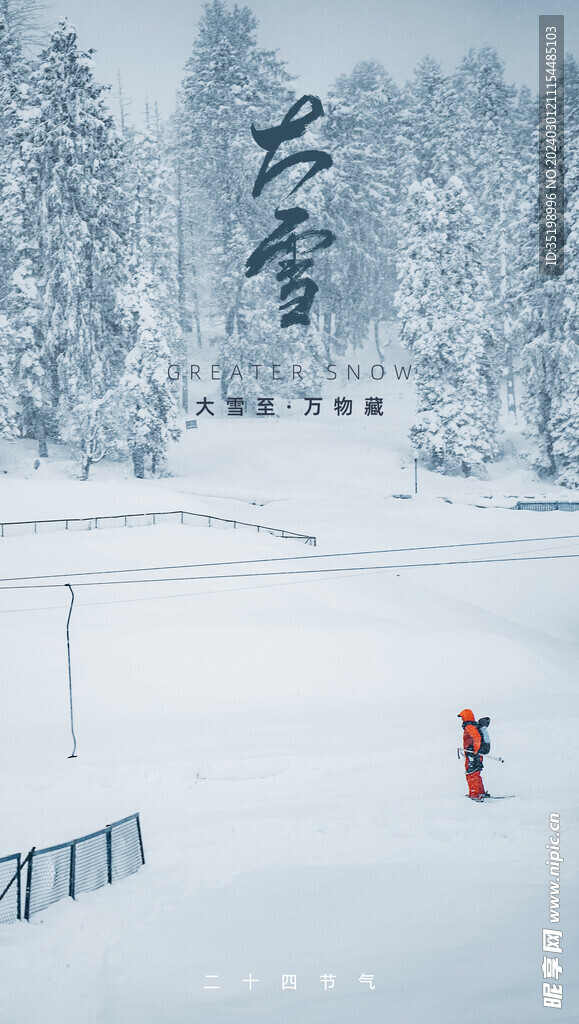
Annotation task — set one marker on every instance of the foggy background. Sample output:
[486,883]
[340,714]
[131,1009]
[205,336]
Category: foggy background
[149,42]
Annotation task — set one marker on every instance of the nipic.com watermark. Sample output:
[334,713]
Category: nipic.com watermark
[552,968]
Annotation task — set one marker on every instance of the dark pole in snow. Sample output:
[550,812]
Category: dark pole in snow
[416,476]
[69,672]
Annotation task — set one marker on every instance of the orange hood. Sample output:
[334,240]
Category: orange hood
[466,715]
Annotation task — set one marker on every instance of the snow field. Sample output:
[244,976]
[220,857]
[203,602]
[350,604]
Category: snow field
[291,749]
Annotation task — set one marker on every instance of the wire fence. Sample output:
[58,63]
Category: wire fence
[81,865]
[10,868]
[547,506]
[41,526]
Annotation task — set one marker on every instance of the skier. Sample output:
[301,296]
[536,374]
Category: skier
[473,762]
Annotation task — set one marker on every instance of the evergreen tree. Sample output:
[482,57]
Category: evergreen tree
[565,427]
[73,164]
[23,19]
[148,404]
[8,427]
[550,353]
[230,84]
[442,302]
[518,286]
[488,163]
[357,278]
[23,377]
[147,400]
[431,132]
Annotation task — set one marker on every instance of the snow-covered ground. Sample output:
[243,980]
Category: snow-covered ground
[291,741]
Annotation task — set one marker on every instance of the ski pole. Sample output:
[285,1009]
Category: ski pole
[472,754]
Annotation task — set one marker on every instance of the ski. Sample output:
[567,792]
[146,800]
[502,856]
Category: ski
[487,796]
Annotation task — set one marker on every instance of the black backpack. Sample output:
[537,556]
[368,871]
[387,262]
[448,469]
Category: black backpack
[485,740]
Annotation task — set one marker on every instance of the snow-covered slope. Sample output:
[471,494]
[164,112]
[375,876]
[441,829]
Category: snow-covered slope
[291,741]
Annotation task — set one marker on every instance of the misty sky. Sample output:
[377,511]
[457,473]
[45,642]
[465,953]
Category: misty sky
[148,41]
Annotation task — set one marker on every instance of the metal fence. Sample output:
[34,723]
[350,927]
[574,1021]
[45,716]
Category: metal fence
[10,868]
[547,506]
[35,526]
[81,865]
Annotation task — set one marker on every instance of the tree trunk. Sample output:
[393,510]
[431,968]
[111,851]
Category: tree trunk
[377,341]
[327,335]
[41,435]
[139,463]
[181,292]
[196,316]
[185,390]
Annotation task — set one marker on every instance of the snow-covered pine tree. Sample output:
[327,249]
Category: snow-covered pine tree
[230,83]
[550,312]
[24,20]
[487,162]
[430,134]
[22,376]
[357,277]
[148,402]
[8,425]
[518,285]
[188,278]
[430,128]
[8,86]
[566,419]
[442,303]
[73,163]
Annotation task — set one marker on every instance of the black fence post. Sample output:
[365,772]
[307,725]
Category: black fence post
[72,871]
[109,856]
[19,890]
[140,838]
[30,860]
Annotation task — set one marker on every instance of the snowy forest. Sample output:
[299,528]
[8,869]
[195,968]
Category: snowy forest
[122,249]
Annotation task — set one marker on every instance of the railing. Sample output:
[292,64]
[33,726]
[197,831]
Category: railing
[41,526]
[547,506]
[81,865]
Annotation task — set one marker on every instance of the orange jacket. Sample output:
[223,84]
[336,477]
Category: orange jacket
[471,740]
